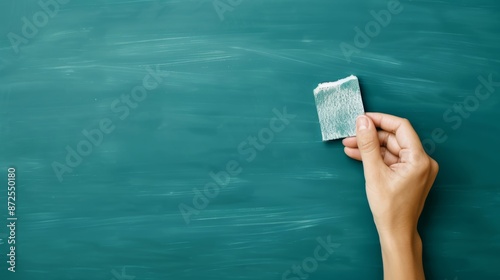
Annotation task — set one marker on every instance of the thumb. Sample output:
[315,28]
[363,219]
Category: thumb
[368,145]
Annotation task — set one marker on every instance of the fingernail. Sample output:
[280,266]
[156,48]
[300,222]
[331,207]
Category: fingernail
[361,122]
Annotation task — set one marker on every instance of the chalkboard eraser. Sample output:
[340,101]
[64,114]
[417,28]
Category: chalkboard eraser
[339,104]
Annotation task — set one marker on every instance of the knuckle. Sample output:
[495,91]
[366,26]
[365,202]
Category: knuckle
[366,144]
[420,158]
[434,165]
[405,122]
[385,139]
[421,161]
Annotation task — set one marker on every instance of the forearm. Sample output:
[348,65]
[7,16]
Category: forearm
[402,256]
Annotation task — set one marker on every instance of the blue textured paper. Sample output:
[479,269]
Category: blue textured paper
[338,104]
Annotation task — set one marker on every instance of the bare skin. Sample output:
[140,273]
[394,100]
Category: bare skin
[399,175]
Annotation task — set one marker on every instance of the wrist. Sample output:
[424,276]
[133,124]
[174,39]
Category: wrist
[396,228]
[402,255]
[408,239]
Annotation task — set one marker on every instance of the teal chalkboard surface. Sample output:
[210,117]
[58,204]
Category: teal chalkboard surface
[180,139]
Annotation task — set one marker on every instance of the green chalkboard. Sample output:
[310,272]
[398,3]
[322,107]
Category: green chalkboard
[180,140]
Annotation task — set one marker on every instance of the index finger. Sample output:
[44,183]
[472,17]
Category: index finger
[402,128]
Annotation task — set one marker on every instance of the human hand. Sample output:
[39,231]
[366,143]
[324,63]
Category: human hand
[398,172]
[399,175]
